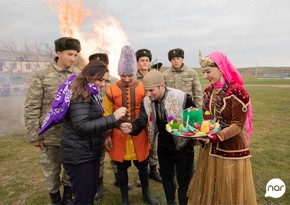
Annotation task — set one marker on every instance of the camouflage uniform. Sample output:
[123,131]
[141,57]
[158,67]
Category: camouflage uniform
[41,91]
[185,79]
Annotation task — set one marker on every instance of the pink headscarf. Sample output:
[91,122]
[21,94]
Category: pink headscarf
[232,75]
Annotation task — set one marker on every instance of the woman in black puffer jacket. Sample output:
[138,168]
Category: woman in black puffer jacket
[83,131]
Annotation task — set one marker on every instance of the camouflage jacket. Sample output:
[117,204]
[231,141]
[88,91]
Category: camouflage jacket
[108,82]
[139,76]
[185,79]
[40,94]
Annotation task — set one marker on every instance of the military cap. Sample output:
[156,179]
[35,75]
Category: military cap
[143,52]
[100,56]
[177,52]
[67,43]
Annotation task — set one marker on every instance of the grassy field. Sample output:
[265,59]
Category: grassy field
[21,179]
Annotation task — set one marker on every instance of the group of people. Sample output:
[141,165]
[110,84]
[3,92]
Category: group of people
[74,116]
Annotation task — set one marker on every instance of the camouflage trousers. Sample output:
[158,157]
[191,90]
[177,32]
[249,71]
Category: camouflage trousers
[153,158]
[54,174]
[102,163]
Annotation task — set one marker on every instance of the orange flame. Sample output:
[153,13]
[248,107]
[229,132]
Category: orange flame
[107,35]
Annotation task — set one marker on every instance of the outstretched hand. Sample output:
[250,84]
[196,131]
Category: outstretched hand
[120,112]
[126,127]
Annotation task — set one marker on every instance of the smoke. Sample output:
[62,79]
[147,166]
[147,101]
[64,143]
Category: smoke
[11,112]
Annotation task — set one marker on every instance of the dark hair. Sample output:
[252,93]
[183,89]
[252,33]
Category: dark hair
[93,71]
[100,56]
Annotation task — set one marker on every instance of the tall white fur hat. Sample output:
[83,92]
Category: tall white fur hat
[127,63]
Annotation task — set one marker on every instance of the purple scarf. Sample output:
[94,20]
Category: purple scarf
[61,104]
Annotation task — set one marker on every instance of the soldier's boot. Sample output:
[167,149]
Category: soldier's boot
[100,192]
[55,198]
[153,174]
[170,190]
[122,176]
[67,197]
[143,175]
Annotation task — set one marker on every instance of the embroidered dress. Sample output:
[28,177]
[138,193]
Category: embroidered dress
[224,174]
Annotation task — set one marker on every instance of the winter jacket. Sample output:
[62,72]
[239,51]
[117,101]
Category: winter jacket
[83,131]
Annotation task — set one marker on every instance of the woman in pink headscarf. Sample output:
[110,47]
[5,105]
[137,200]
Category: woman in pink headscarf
[224,174]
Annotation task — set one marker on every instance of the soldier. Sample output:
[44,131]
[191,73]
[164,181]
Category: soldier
[181,77]
[144,58]
[41,92]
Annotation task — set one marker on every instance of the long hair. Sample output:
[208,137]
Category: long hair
[93,71]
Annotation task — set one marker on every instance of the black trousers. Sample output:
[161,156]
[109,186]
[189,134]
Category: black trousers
[171,165]
[84,180]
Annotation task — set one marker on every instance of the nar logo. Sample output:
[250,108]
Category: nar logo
[275,188]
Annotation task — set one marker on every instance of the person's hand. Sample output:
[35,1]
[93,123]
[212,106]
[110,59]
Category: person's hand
[126,127]
[120,112]
[213,138]
[37,143]
[108,143]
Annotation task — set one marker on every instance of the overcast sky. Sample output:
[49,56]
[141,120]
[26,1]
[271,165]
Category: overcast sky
[249,32]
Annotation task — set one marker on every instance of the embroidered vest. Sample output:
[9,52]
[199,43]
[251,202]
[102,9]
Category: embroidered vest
[174,101]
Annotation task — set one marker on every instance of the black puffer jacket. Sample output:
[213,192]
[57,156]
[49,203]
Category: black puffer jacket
[83,130]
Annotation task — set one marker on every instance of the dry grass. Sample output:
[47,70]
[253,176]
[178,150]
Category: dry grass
[21,180]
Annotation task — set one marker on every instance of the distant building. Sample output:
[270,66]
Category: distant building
[22,62]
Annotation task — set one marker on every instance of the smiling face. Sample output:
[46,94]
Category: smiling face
[212,74]
[100,83]
[126,79]
[66,58]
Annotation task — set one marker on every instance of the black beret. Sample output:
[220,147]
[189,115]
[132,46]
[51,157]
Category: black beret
[143,52]
[100,56]
[177,52]
[67,43]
